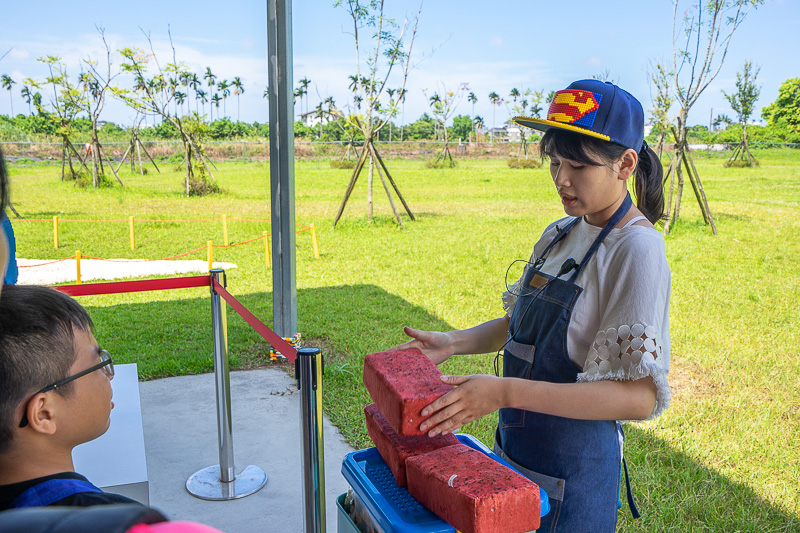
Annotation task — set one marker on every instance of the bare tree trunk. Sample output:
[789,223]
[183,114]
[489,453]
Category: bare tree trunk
[671,176]
[679,193]
[369,187]
[389,195]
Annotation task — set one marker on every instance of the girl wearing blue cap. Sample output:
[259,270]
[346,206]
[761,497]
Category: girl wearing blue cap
[585,337]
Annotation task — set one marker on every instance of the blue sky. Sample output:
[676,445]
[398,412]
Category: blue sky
[491,46]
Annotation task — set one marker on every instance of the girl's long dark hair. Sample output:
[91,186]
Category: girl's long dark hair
[3,182]
[587,150]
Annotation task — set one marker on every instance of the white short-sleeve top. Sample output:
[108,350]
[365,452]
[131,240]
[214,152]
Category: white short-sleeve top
[620,324]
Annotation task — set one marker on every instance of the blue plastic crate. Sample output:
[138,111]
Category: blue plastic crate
[391,506]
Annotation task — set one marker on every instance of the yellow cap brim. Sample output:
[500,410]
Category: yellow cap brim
[544,125]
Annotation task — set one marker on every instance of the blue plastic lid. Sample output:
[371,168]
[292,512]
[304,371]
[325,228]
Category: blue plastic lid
[391,506]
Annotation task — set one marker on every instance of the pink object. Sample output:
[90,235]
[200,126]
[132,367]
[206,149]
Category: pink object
[472,492]
[394,448]
[173,527]
[402,383]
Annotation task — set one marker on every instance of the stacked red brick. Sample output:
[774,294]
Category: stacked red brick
[472,492]
[401,384]
[462,486]
[394,448]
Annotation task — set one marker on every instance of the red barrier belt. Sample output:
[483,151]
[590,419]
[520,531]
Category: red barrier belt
[134,286]
[270,336]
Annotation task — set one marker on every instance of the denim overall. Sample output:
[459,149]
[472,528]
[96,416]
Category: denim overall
[577,462]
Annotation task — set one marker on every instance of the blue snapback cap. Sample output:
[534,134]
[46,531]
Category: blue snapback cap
[595,108]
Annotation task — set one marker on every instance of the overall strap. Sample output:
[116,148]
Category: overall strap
[631,503]
[613,221]
[560,234]
[51,491]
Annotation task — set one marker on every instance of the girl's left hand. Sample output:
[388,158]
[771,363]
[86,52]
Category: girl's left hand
[474,397]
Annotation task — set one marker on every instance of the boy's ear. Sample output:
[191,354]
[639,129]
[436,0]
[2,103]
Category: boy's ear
[40,414]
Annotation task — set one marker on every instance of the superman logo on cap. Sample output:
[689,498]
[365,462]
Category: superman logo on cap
[572,106]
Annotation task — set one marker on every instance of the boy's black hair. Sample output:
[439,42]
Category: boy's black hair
[648,181]
[37,326]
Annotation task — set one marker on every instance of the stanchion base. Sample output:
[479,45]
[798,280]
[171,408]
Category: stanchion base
[206,485]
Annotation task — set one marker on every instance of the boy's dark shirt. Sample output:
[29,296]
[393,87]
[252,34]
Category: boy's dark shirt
[83,499]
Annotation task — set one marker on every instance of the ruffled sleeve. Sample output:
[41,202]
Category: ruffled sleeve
[632,339]
[627,353]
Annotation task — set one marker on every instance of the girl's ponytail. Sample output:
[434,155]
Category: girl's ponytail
[649,186]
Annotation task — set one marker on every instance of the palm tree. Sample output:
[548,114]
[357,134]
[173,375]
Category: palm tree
[180,98]
[514,93]
[495,99]
[478,124]
[401,97]
[304,83]
[194,82]
[27,95]
[266,92]
[201,96]
[7,83]
[435,102]
[210,78]
[472,99]
[224,87]
[354,89]
[215,100]
[238,90]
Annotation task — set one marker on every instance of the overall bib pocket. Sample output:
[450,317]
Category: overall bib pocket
[553,486]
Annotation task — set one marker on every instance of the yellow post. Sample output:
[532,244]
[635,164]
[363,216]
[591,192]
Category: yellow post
[225,229]
[78,266]
[210,246]
[133,238]
[55,231]
[314,241]
[267,257]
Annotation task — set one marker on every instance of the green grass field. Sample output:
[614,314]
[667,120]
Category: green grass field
[726,455]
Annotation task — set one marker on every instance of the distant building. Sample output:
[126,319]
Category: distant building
[313,118]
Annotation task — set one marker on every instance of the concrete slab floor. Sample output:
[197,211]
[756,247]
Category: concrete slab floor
[180,431]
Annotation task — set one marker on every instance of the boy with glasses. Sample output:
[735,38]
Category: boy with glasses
[55,393]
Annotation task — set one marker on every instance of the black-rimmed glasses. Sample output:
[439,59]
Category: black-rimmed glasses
[105,364]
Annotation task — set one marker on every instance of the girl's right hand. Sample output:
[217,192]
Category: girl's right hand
[435,344]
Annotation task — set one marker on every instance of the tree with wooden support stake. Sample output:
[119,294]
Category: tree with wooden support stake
[90,97]
[154,94]
[700,41]
[388,50]
[137,145]
[443,106]
[743,101]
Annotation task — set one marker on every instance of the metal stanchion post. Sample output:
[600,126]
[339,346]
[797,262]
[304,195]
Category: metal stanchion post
[219,482]
[308,371]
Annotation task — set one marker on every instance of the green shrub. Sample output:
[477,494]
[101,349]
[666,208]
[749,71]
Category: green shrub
[347,163]
[523,163]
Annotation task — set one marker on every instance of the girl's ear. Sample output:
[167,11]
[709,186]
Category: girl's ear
[40,414]
[627,164]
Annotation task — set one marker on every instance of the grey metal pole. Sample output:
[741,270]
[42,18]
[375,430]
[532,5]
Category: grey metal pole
[222,381]
[281,166]
[219,482]
[308,370]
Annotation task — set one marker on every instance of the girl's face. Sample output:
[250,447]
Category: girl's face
[592,191]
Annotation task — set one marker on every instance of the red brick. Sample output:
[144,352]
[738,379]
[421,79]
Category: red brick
[402,383]
[472,492]
[394,448]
